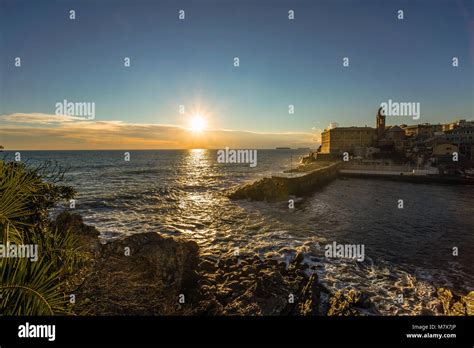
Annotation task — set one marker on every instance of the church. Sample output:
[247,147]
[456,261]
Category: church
[348,139]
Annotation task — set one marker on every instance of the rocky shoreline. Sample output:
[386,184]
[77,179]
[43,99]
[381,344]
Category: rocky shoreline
[148,274]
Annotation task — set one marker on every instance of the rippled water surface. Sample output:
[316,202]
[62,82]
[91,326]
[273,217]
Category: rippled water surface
[181,193]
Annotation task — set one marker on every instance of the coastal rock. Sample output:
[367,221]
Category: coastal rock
[299,258]
[310,297]
[347,303]
[208,266]
[88,236]
[258,287]
[144,274]
[453,304]
[148,274]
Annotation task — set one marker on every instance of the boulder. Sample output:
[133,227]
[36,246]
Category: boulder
[453,304]
[88,236]
[344,303]
[144,274]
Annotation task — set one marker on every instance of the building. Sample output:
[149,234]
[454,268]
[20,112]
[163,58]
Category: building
[356,140]
[380,124]
[444,149]
[400,140]
[463,137]
[421,131]
[347,139]
[395,136]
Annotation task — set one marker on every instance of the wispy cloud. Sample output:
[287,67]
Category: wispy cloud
[38,118]
[43,131]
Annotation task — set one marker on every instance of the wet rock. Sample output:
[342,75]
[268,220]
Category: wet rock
[224,294]
[346,303]
[243,262]
[310,298]
[453,304]
[147,274]
[246,270]
[426,312]
[234,285]
[298,259]
[208,266]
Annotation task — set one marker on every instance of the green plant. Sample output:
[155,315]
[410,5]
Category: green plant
[34,287]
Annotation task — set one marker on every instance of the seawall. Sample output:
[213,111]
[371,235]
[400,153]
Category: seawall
[280,187]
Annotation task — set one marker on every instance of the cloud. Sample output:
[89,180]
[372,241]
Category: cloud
[43,131]
[38,118]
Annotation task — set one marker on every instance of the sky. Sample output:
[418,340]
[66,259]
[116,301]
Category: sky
[190,62]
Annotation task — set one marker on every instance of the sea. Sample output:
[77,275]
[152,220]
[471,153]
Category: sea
[412,251]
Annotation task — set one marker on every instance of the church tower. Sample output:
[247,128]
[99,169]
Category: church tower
[380,123]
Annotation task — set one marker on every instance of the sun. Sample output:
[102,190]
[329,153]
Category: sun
[198,123]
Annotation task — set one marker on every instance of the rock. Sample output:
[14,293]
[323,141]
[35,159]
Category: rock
[246,270]
[147,274]
[309,298]
[224,294]
[469,302]
[207,266]
[88,236]
[235,286]
[453,304]
[298,259]
[147,282]
[426,312]
[346,303]
[243,262]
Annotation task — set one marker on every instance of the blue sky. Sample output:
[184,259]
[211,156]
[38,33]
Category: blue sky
[282,62]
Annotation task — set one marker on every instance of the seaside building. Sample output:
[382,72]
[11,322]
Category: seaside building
[445,149]
[342,139]
[356,140]
[421,131]
[404,141]
[463,137]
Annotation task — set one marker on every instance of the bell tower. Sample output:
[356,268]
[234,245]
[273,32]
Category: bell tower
[380,123]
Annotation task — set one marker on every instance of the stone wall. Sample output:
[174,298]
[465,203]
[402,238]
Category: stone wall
[280,188]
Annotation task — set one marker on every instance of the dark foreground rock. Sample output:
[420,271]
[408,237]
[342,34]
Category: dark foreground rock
[148,274]
[144,274]
[348,303]
[250,286]
[453,304]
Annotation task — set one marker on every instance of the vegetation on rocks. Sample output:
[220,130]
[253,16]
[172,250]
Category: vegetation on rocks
[34,287]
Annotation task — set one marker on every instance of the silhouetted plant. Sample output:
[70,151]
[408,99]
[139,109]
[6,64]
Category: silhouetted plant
[34,287]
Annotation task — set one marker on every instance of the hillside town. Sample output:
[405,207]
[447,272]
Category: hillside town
[444,149]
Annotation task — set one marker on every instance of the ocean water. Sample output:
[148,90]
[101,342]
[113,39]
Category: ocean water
[408,251]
